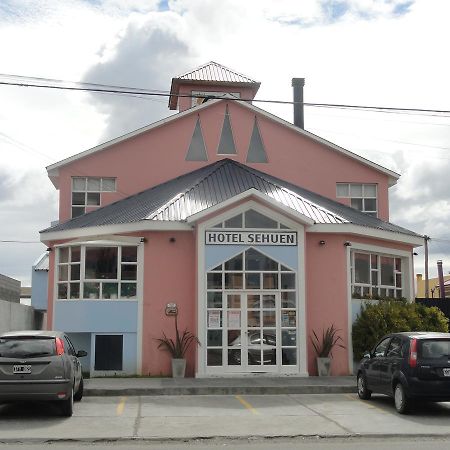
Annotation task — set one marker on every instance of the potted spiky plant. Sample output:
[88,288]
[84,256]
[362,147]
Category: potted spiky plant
[324,348]
[177,348]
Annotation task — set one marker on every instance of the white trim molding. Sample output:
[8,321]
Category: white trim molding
[105,230]
[349,228]
[283,209]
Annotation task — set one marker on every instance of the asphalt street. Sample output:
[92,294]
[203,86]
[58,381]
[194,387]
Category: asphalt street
[178,418]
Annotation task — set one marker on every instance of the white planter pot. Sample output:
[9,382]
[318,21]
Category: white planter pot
[178,368]
[324,367]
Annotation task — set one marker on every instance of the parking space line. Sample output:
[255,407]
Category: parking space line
[247,405]
[367,404]
[121,406]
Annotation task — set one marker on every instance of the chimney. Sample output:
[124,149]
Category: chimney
[441,280]
[297,84]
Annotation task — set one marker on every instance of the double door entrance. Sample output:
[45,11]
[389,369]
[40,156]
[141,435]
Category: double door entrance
[252,333]
[251,316]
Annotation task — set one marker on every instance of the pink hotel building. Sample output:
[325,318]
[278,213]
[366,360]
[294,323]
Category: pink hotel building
[259,231]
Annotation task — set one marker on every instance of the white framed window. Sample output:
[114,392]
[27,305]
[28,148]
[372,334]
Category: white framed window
[251,219]
[376,275]
[363,197]
[97,272]
[86,192]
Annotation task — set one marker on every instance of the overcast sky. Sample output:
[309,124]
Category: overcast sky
[365,52]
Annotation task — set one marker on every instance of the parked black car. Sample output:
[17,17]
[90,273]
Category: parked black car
[40,365]
[409,367]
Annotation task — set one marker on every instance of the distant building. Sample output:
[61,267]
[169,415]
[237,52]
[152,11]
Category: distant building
[9,289]
[433,286]
[13,314]
[25,295]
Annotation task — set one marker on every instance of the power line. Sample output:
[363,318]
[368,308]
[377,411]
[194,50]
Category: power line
[28,149]
[19,242]
[140,92]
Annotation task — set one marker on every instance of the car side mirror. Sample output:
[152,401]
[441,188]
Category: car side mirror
[81,353]
[367,355]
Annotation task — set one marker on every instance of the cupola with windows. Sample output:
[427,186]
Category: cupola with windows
[210,80]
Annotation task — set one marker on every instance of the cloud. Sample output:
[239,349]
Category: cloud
[27,203]
[150,46]
[365,52]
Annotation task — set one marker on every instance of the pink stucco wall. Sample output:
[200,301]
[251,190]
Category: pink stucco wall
[159,155]
[169,277]
[170,274]
[327,291]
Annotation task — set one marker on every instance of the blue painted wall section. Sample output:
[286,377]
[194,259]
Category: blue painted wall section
[90,316]
[39,289]
[217,254]
[82,341]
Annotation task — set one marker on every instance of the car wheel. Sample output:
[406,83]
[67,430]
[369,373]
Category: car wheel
[363,392]
[402,403]
[79,394]
[67,405]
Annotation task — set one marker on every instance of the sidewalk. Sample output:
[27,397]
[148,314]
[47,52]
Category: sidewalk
[258,385]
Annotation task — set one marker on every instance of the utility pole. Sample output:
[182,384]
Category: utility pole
[427,286]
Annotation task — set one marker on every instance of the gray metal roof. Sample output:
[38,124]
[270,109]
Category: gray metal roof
[197,191]
[213,71]
[42,263]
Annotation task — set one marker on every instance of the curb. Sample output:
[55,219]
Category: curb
[221,390]
[230,439]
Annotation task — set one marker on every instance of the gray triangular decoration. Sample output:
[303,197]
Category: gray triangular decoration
[226,144]
[256,151]
[197,149]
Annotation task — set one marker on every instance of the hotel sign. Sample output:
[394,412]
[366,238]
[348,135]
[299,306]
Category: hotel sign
[216,237]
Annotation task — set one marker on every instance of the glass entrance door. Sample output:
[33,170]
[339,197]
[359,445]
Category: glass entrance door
[251,332]
[251,316]
[261,330]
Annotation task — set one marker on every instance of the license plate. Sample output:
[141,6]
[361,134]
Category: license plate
[25,369]
[446,372]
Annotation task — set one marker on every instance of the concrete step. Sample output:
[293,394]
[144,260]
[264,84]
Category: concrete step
[219,386]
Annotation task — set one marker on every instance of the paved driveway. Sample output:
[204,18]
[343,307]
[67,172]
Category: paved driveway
[178,417]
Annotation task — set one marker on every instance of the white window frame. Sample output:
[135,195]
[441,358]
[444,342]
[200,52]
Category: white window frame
[376,269]
[87,191]
[362,197]
[83,279]
[407,280]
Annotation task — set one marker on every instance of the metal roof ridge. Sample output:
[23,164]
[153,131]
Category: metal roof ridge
[136,195]
[221,66]
[227,161]
[219,164]
[289,191]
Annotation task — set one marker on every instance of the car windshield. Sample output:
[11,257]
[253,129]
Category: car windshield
[435,348]
[26,347]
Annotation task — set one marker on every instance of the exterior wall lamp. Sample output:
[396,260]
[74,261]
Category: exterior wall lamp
[322,242]
[347,244]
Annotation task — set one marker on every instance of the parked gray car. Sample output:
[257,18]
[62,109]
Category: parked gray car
[40,366]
